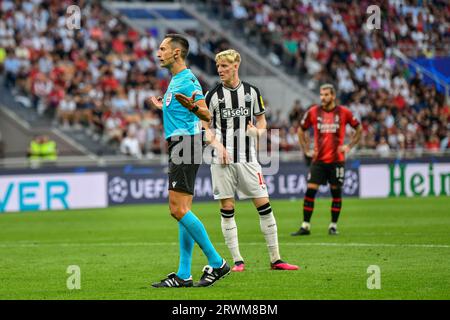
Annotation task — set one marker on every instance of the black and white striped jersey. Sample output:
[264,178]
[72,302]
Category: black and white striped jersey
[232,110]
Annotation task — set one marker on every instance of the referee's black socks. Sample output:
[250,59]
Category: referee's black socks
[336,204]
[308,204]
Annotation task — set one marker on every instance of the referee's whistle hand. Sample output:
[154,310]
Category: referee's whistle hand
[155,102]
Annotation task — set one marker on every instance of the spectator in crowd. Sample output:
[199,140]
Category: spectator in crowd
[11,68]
[433,144]
[107,69]
[66,111]
[2,58]
[41,88]
[115,126]
[96,78]
[97,119]
[445,143]
[324,39]
[383,148]
[130,145]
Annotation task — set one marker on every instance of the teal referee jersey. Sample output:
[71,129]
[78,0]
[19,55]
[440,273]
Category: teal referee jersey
[177,120]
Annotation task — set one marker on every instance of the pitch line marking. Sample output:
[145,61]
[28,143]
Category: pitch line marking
[140,244]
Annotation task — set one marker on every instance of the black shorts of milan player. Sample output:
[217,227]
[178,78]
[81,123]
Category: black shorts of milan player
[328,122]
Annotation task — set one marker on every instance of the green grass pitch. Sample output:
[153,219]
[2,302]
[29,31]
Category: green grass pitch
[122,250]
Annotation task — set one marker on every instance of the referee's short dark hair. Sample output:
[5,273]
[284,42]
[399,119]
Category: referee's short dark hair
[178,41]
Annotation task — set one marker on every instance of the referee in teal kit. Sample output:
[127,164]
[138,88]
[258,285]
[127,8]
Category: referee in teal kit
[183,106]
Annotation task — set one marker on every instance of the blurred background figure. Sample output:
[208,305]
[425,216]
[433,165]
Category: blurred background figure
[49,151]
[2,147]
[42,149]
[92,83]
[34,150]
[130,145]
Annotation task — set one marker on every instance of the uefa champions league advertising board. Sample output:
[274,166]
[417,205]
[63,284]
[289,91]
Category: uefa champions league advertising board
[150,185]
[88,187]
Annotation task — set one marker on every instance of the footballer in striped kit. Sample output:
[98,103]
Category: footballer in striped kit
[238,121]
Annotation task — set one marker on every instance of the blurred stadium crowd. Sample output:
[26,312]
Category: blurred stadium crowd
[328,40]
[97,78]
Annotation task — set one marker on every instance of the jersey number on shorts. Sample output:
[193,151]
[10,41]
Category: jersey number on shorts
[260,178]
[340,173]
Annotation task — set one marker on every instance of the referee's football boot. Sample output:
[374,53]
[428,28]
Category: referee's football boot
[211,275]
[173,281]
[301,232]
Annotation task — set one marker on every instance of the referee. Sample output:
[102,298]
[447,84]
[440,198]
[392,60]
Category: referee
[183,106]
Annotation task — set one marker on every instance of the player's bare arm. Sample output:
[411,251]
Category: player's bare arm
[353,141]
[199,107]
[212,141]
[304,142]
[259,129]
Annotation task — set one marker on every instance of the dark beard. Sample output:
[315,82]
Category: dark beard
[326,105]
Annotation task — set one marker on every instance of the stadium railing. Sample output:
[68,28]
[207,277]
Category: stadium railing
[122,160]
[424,71]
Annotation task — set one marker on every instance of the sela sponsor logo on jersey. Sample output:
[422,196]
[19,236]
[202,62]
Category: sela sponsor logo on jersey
[233,113]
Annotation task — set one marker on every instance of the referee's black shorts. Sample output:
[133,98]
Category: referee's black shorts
[185,157]
[323,173]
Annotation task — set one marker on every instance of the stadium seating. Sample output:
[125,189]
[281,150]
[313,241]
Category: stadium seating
[97,79]
[328,41]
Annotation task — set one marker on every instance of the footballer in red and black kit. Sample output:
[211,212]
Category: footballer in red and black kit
[326,160]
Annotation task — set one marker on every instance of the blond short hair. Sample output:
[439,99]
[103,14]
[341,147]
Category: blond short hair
[328,86]
[230,55]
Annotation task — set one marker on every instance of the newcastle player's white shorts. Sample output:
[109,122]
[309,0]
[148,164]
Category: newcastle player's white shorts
[245,179]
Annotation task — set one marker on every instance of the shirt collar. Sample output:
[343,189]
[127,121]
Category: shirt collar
[233,89]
